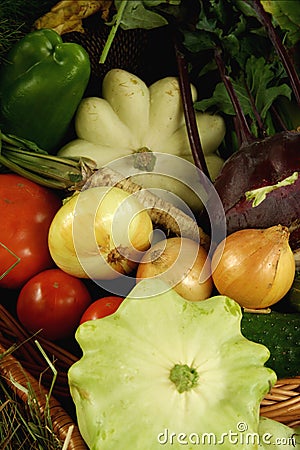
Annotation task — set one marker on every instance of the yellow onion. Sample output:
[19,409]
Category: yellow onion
[255,267]
[182,263]
[99,233]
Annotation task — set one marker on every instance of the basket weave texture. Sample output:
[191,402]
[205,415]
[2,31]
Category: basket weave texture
[283,402]
[25,365]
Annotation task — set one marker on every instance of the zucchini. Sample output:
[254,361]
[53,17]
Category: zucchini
[280,333]
[292,299]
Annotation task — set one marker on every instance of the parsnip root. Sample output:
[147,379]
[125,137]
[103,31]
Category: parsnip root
[162,213]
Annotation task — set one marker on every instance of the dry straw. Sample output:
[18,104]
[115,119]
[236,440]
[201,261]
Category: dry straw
[27,395]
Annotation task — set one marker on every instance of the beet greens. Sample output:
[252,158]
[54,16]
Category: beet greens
[266,161]
[260,163]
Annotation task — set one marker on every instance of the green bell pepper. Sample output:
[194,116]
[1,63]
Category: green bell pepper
[41,85]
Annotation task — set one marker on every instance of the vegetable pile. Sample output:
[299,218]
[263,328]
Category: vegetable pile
[154,227]
[132,119]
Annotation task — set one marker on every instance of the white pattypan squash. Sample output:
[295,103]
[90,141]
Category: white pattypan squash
[131,117]
[163,372]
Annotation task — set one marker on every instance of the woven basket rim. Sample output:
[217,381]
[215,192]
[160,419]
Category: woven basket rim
[15,376]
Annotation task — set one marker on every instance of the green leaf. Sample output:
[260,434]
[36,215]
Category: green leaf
[198,41]
[210,26]
[245,8]
[136,15]
[220,100]
[286,14]
[231,43]
[259,77]
[272,94]
[261,83]
[153,3]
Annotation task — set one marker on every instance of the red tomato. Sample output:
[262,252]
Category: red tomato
[101,308]
[53,301]
[27,210]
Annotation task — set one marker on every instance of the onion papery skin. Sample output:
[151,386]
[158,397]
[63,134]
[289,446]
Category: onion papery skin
[254,267]
[100,233]
[182,263]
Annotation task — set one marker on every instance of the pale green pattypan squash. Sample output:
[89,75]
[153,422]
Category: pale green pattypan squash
[131,117]
[277,436]
[163,372]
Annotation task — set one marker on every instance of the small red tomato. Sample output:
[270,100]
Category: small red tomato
[101,308]
[52,301]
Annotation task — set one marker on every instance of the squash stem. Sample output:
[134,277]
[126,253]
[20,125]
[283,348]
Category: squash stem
[184,377]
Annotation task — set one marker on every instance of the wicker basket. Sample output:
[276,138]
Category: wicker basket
[283,402]
[26,365]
